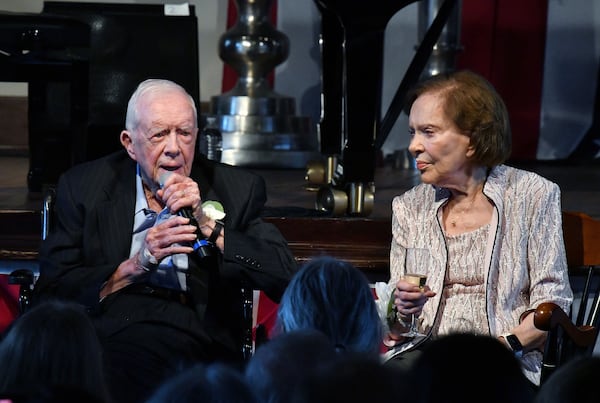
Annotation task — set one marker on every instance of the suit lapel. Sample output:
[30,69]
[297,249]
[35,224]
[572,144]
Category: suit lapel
[115,215]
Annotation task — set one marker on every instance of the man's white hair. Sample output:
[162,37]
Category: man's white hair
[152,85]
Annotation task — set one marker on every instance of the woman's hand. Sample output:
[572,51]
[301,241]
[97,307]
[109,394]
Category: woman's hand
[409,299]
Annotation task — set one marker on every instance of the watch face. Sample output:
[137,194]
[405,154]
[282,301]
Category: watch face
[515,344]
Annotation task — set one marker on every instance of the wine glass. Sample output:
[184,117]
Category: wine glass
[416,265]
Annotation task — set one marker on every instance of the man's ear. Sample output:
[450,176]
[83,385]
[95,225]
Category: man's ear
[127,141]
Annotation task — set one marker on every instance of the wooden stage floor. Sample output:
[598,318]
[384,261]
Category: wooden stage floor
[289,194]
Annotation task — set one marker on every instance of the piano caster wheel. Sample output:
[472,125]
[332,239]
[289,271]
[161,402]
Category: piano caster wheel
[357,201]
[332,200]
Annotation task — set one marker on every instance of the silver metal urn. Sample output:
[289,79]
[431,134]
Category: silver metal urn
[259,126]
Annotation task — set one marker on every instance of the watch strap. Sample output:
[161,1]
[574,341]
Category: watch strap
[216,231]
[514,343]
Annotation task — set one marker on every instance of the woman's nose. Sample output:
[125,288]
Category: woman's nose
[415,146]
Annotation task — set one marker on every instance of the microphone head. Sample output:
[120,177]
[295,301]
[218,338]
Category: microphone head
[163,178]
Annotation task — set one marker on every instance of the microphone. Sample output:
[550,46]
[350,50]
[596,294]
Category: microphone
[201,246]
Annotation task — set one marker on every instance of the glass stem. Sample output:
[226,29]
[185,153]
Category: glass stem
[413,324]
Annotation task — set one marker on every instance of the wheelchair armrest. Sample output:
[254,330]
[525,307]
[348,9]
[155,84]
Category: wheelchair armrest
[22,277]
[25,279]
[548,316]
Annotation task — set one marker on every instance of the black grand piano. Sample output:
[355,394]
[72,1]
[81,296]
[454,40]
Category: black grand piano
[82,61]
[48,52]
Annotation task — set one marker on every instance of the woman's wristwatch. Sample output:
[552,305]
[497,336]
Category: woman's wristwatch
[514,343]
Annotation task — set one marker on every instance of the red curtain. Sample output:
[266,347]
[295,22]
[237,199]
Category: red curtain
[9,308]
[504,40]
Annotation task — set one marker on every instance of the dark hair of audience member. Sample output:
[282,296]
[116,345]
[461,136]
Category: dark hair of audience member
[573,382]
[204,383]
[53,394]
[334,297]
[353,378]
[464,367]
[51,348]
[284,361]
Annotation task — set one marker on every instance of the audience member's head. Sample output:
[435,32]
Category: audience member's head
[353,378]
[204,383]
[458,367]
[53,394]
[334,297]
[52,346]
[573,382]
[283,362]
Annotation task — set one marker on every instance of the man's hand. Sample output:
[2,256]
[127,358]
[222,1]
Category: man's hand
[126,273]
[178,192]
[169,237]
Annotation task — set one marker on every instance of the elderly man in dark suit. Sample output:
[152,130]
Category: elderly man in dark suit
[157,243]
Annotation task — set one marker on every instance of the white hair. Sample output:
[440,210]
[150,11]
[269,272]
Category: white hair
[152,85]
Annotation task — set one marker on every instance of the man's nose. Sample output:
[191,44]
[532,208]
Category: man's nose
[172,141]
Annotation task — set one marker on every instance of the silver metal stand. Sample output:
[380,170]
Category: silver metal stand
[259,126]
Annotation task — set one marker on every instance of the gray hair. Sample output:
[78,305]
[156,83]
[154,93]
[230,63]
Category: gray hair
[152,85]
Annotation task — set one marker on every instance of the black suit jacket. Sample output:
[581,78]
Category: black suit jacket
[91,236]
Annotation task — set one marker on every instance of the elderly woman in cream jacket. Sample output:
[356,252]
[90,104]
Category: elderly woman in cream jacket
[493,232]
